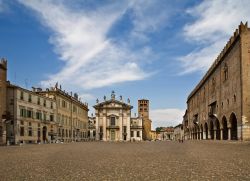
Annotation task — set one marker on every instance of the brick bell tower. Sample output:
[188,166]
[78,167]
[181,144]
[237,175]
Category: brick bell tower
[143,111]
[3,98]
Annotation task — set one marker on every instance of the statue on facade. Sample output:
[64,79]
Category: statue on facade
[113,95]
[104,98]
[97,101]
[128,100]
[120,98]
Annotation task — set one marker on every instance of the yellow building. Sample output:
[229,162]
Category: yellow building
[72,114]
[31,117]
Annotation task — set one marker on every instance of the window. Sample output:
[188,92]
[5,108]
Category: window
[22,112]
[112,121]
[51,117]
[64,104]
[21,95]
[21,131]
[39,115]
[29,114]
[74,108]
[44,103]
[138,133]
[124,129]
[132,133]
[225,72]
[51,105]
[44,116]
[38,101]
[30,131]
[30,98]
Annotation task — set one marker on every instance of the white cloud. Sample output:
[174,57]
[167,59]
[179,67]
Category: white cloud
[166,117]
[148,17]
[91,59]
[215,23]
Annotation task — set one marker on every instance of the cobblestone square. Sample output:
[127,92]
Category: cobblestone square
[204,160]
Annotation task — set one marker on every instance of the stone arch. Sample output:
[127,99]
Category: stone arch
[211,129]
[217,126]
[234,131]
[225,128]
[206,131]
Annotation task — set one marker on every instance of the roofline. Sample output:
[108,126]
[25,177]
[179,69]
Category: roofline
[220,57]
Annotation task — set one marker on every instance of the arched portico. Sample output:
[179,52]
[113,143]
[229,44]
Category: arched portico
[217,126]
[234,132]
[211,129]
[206,131]
[225,128]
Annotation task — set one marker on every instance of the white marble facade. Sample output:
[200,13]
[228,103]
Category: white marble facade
[113,119]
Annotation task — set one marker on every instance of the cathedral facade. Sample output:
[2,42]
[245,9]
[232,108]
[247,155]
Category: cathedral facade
[114,122]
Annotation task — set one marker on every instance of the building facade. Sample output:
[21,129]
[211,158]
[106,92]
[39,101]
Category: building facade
[166,133]
[113,121]
[31,117]
[178,132]
[3,92]
[143,112]
[72,114]
[218,107]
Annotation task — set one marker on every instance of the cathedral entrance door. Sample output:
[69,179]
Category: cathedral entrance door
[112,132]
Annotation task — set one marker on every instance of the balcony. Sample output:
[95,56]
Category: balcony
[113,127]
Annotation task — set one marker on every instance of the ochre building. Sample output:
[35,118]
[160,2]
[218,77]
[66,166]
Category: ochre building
[219,106]
[71,113]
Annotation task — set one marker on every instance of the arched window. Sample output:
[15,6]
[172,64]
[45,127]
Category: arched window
[225,72]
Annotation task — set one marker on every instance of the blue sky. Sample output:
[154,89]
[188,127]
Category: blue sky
[157,50]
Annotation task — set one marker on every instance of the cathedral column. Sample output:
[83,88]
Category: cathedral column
[221,134]
[120,126]
[104,120]
[97,135]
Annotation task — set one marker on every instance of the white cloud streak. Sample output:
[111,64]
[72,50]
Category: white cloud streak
[80,38]
[215,23]
[166,117]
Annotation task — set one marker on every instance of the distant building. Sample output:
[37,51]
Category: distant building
[178,132]
[218,107]
[136,129]
[114,122]
[143,111]
[166,133]
[153,135]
